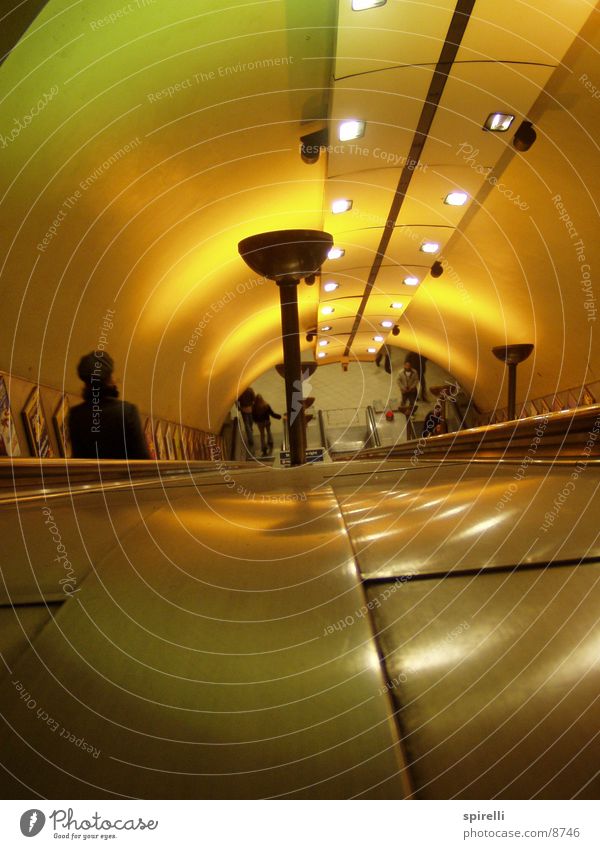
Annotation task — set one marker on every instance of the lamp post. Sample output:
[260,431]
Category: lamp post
[287,256]
[512,355]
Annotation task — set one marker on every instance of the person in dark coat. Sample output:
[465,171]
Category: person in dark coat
[104,427]
[262,414]
[244,405]
[435,423]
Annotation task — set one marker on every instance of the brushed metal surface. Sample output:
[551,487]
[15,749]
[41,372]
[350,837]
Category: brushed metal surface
[204,657]
[444,518]
[495,678]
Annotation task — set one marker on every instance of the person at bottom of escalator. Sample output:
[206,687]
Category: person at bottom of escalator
[408,381]
[262,415]
[435,424]
[244,405]
[104,427]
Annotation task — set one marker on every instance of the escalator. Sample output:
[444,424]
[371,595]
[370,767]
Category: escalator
[346,431]
[418,623]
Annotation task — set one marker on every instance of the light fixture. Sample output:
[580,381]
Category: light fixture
[371,350]
[387,323]
[312,144]
[323,342]
[322,354]
[524,137]
[336,253]
[437,269]
[429,247]
[325,328]
[396,305]
[377,338]
[327,310]
[411,281]
[330,286]
[361,5]
[341,205]
[498,122]
[350,130]
[395,330]
[456,198]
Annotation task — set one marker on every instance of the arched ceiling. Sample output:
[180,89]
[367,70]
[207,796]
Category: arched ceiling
[142,141]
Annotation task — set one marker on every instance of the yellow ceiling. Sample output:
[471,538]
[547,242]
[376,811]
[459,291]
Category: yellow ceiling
[170,131]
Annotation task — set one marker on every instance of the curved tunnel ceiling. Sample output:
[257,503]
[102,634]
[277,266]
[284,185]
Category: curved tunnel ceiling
[140,143]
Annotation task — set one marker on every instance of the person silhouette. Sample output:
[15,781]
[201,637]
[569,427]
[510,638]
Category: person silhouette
[103,427]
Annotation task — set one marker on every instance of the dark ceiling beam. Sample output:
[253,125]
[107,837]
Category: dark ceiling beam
[16,16]
[456,31]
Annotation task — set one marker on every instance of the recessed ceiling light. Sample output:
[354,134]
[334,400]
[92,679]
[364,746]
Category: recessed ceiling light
[322,354]
[341,205]
[387,323]
[323,342]
[325,328]
[336,253]
[361,5]
[377,338]
[327,310]
[456,198]
[396,305]
[411,281]
[349,130]
[498,122]
[371,350]
[430,247]
[330,286]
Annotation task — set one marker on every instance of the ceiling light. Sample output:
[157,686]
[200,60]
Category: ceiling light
[325,328]
[342,205]
[322,354]
[411,281]
[351,130]
[327,310]
[456,198]
[387,323]
[524,137]
[498,122]
[371,350]
[336,253]
[396,305]
[330,286]
[377,338]
[323,342]
[361,5]
[430,247]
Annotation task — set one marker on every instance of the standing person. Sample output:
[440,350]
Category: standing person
[262,414]
[408,381]
[244,403]
[419,363]
[384,354]
[103,427]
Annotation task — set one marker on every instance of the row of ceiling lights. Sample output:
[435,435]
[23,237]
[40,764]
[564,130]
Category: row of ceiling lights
[497,122]
[355,129]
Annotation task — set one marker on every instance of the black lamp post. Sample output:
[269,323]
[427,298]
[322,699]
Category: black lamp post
[512,355]
[287,256]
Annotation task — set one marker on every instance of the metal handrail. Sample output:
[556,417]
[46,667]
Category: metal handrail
[374,438]
[568,434]
[324,439]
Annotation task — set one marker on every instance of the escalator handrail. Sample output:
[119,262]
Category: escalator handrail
[569,434]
